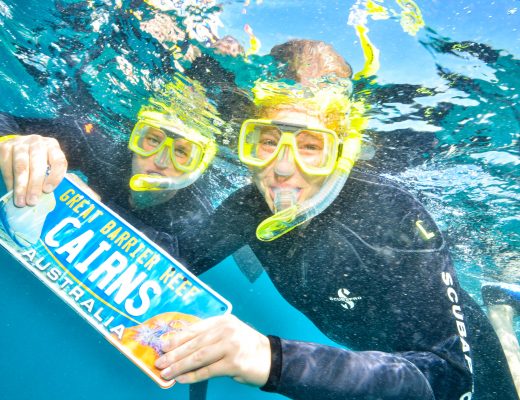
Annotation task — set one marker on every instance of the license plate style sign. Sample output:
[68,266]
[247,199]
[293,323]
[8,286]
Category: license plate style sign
[125,286]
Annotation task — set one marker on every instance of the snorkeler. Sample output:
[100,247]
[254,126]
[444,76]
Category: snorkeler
[149,179]
[360,257]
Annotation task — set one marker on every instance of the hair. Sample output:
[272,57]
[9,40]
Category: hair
[309,59]
[184,101]
[322,83]
[330,103]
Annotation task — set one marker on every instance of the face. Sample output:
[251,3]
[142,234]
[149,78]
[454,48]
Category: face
[159,163]
[283,175]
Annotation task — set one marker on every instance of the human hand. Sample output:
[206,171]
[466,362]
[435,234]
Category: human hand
[24,161]
[218,346]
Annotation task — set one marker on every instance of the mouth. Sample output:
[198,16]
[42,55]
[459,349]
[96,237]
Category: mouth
[150,172]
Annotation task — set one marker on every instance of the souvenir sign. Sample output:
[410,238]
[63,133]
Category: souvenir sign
[126,287]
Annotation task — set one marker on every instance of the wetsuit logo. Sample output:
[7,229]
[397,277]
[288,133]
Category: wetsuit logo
[343,297]
[424,233]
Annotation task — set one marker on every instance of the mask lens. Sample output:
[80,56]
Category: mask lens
[186,155]
[261,141]
[314,147]
[151,139]
[268,139]
[146,139]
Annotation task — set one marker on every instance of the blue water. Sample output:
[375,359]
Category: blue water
[52,353]
[456,80]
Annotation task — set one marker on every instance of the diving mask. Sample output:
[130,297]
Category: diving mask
[315,150]
[189,151]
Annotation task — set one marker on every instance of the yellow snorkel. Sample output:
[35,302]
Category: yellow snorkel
[296,214]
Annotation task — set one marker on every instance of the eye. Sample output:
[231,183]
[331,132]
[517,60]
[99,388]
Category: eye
[153,140]
[310,142]
[310,147]
[268,142]
[154,137]
[269,138]
[181,151]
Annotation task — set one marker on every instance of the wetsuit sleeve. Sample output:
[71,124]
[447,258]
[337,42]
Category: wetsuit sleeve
[430,370]
[303,370]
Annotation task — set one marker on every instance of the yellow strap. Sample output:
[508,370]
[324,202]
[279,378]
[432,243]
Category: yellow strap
[7,137]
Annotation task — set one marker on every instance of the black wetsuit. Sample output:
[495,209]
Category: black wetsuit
[364,274]
[106,163]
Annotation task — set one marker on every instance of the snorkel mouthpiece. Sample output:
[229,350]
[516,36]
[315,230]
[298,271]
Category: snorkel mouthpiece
[144,182]
[285,212]
[284,198]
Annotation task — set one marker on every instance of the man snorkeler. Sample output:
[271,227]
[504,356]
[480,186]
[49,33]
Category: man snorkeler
[360,257]
[167,156]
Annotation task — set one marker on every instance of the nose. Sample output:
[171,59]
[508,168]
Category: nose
[162,158]
[284,163]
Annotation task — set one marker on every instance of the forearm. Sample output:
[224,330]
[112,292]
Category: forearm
[309,371]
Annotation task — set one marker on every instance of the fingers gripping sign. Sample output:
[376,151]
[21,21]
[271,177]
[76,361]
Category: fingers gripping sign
[218,346]
[24,161]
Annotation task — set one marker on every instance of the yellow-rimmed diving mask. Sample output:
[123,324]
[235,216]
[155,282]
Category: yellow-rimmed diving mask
[189,151]
[315,150]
